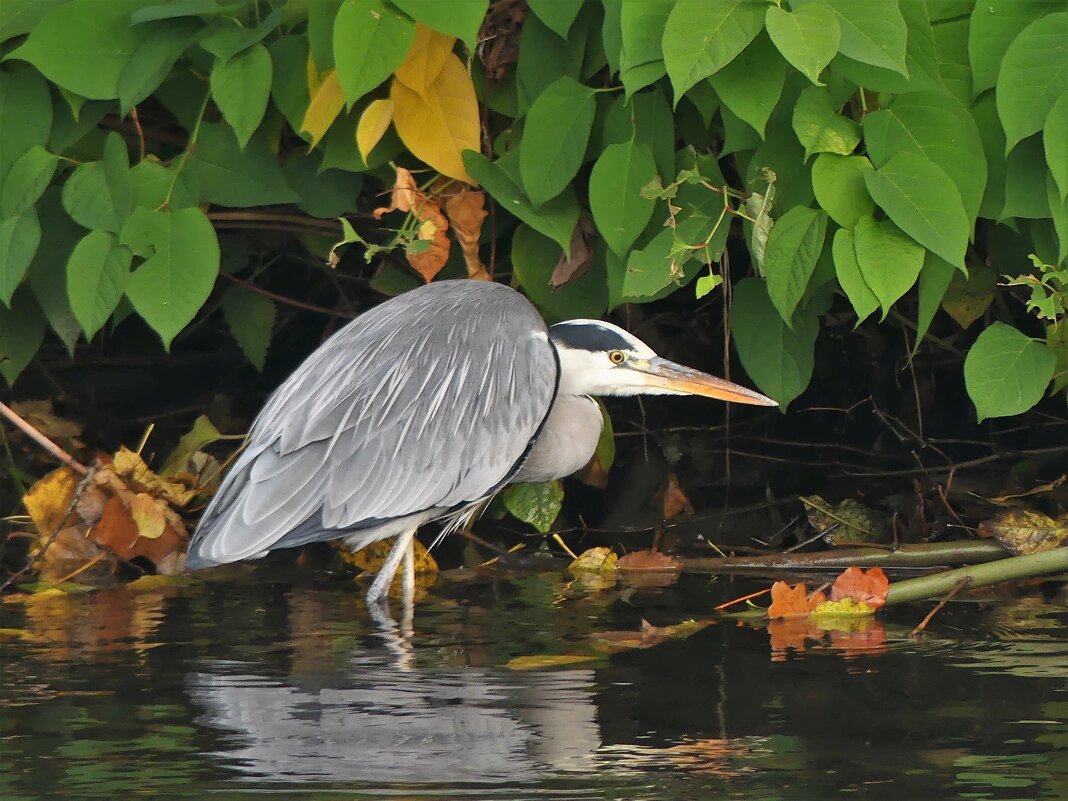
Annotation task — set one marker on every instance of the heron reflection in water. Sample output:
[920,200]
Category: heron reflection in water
[421,410]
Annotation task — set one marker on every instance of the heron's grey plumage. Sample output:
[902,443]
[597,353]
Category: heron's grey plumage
[422,406]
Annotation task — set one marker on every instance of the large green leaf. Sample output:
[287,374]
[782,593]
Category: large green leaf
[543,59]
[22,329]
[991,29]
[97,272]
[533,259]
[225,175]
[1058,208]
[752,83]
[25,114]
[18,17]
[26,181]
[701,37]
[1032,78]
[777,357]
[924,202]
[459,18]
[99,194]
[872,33]
[153,183]
[934,281]
[241,88]
[794,245]
[152,61]
[641,61]
[182,262]
[555,219]
[1025,181]
[850,278]
[84,45]
[1055,140]
[808,37]
[937,126]
[819,128]
[1006,372]
[554,138]
[48,272]
[370,42]
[838,182]
[558,15]
[888,259]
[289,84]
[537,504]
[616,201]
[20,235]
[251,320]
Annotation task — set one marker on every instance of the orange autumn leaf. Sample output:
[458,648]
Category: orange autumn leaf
[649,560]
[673,501]
[467,211]
[433,229]
[869,587]
[787,601]
[404,196]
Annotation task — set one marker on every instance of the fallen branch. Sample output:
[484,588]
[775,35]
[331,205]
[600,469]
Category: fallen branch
[931,554]
[42,440]
[1014,567]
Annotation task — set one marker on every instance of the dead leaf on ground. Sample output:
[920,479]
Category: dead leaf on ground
[1008,498]
[787,601]
[48,500]
[1023,531]
[466,211]
[846,522]
[371,557]
[649,569]
[648,636]
[595,560]
[866,587]
[139,477]
[568,269]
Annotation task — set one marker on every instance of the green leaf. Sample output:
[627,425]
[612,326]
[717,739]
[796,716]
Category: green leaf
[555,219]
[152,61]
[182,262]
[1032,78]
[1025,181]
[616,201]
[22,330]
[752,83]
[819,129]
[850,277]
[225,175]
[459,18]
[251,320]
[794,245]
[537,504]
[889,260]
[25,115]
[992,27]
[241,87]
[838,182]
[174,9]
[783,154]
[558,15]
[370,42]
[48,271]
[1006,372]
[18,17]
[934,281]
[84,45]
[701,37]
[20,235]
[808,37]
[554,138]
[289,85]
[533,259]
[641,61]
[99,194]
[936,126]
[543,59]
[325,194]
[872,33]
[924,202]
[26,180]
[1055,140]
[151,182]
[224,39]
[97,272]
[985,114]
[777,357]
[1059,210]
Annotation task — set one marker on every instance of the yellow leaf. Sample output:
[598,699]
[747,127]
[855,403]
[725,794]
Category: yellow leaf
[847,607]
[374,122]
[313,77]
[595,560]
[541,661]
[439,126]
[147,516]
[425,61]
[49,499]
[325,105]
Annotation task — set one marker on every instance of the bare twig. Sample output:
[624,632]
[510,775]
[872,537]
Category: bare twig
[42,440]
[960,585]
[283,299]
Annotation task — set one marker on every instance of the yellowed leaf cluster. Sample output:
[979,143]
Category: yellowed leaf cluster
[369,560]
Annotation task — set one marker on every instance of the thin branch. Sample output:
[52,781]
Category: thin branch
[960,585]
[332,227]
[42,440]
[283,299]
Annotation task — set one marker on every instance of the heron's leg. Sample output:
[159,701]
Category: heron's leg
[407,627]
[380,586]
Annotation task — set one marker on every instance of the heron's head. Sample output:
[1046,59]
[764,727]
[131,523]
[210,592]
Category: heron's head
[598,358]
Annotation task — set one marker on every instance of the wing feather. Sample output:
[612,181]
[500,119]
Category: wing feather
[425,403]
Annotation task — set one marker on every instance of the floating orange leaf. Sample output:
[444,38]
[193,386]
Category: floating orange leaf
[325,106]
[467,211]
[787,601]
[868,588]
[649,560]
[433,229]
[373,124]
[425,60]
[440,124]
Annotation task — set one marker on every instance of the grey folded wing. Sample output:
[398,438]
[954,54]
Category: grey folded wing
[427,402]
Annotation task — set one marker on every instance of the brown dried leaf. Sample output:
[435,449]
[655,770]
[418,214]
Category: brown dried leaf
[404,195]
[673,501]
[1023,531]
[433,228]
[47,501]
[118,532]
[568,269]
[649,561]
[466,210]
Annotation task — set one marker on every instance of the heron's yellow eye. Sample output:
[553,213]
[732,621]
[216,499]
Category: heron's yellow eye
[617,357]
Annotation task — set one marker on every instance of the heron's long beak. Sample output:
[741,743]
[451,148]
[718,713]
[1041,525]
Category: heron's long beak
[663,374]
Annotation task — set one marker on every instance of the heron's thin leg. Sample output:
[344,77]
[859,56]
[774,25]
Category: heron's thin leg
[407,627]
[380,586]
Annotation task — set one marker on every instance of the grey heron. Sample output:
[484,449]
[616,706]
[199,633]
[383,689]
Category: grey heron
[421,409]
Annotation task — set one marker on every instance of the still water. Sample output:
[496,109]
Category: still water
[259,687]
